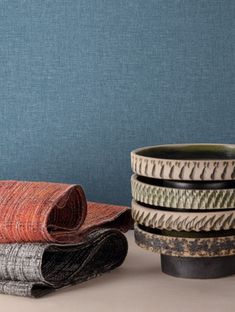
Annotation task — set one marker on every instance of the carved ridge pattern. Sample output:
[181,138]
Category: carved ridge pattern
[182,198]
[181,221]
[185,247]
[183,169]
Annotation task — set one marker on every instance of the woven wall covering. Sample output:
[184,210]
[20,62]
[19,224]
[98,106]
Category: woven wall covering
[50,237]
[85,82]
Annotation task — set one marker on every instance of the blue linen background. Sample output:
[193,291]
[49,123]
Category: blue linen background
[84,82]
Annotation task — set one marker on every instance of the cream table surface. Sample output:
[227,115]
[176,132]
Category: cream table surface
[139,285]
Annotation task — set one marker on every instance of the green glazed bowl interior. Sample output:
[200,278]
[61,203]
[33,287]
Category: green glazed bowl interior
[189,152]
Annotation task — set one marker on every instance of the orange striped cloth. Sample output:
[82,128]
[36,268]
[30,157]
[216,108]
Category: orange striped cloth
[53,212]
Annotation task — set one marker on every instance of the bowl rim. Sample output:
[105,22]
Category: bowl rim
[136,152]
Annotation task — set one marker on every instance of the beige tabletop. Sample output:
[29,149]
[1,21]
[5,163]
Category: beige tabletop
[139,285]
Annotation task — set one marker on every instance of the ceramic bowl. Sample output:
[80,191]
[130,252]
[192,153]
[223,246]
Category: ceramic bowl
[181,198]
[197,162]
[198,256]
[183,246]
[183,221]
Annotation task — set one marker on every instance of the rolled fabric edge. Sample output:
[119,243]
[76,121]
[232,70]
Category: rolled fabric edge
[36,211]
[52,231]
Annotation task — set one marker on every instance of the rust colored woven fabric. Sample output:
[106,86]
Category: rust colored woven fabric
[52,212]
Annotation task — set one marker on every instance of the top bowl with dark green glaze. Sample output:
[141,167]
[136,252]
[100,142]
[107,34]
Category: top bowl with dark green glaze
[196,162]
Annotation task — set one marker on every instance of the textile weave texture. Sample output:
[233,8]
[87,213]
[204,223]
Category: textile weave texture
[53,212]
[50,237]
[33,270]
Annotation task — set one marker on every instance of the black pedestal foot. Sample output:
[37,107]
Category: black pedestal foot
[198,268]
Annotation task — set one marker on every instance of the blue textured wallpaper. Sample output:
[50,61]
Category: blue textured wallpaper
[84,82]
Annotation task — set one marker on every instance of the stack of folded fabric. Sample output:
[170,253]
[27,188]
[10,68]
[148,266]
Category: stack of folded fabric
[50,237]
[184,207]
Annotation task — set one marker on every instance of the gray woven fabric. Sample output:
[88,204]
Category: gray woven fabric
[33,270]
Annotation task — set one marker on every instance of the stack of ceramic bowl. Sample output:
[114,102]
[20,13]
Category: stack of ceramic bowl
[184,207]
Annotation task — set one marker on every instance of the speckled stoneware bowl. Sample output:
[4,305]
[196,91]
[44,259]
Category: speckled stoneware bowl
[181,244]
[198,162]
[188,256]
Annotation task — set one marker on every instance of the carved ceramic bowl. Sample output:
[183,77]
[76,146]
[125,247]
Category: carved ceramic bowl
[196,162]
[196,221]
[154,192]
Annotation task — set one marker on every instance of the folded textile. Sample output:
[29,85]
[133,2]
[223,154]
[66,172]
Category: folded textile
[52,212]
[50,237]
[34,270]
